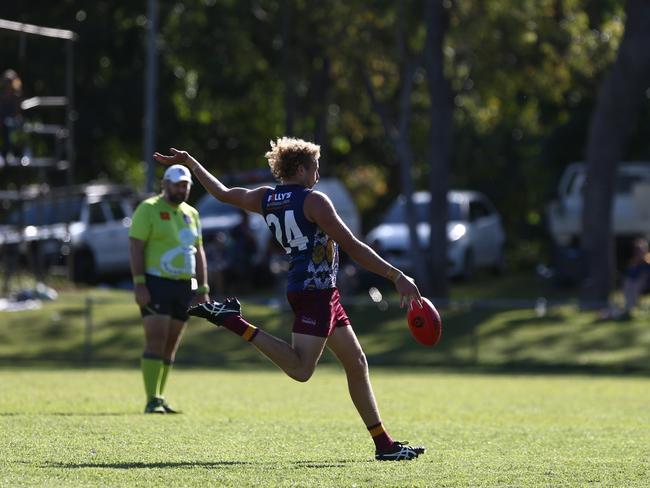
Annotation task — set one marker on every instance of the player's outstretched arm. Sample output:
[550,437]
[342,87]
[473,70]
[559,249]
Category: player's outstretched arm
[320,210]
[240,197]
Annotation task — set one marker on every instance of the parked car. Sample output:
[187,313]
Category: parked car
[630,209]
[218,219]
[89,223]
[630,217]
[475,233]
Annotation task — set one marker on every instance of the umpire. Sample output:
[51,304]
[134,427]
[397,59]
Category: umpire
[166,251]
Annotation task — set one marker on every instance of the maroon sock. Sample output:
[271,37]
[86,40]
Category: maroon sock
[239,326]
[383,440]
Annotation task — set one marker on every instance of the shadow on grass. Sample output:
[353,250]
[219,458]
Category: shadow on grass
[69,414]
[141,465]
[567,342]
[92,414]
[195,464]
[472,338]
[72,312]
[387,341]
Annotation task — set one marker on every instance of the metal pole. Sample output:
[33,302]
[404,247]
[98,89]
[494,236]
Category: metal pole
[71,115]
[475,345]
[150,92]
[88,335]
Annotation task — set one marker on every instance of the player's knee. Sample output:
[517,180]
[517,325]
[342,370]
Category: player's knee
[302,375]
[358,365]
[154,349]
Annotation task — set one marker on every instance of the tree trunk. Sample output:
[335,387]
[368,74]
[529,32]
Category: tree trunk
[613,118]
[289,89]
[399,139]
[321,102]
[440,120]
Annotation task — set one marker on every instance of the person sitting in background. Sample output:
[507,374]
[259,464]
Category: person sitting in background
[636,275]
[636,278]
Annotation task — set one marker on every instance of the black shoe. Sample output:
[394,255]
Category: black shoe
[155,405]
[418,449]
[168,408]
[399,451]
[215,312]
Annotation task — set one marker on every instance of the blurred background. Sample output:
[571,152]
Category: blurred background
[515,126]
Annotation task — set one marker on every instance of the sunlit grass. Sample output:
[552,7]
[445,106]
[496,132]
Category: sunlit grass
[246,428]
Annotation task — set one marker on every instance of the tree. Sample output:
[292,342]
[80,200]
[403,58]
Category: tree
[613,119]
[523,76]
[440,119]
[399,137]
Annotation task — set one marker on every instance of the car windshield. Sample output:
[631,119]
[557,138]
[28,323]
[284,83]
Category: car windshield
[624,185]
[397,213]
[625,182]
[209,206]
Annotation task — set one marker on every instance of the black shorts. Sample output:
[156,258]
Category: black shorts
[168,297]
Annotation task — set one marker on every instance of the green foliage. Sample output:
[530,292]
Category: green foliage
[524,74]
[225,97]
[544,60]
[366,182]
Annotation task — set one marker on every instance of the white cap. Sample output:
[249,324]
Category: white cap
[176,173]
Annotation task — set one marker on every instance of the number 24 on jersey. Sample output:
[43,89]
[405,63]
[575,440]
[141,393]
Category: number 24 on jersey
[288,232]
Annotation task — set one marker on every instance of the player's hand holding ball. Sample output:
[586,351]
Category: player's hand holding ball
[424,322]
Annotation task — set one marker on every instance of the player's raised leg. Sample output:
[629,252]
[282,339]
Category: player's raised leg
[298,360]
[344,344]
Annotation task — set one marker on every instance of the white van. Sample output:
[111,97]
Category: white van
[630,205]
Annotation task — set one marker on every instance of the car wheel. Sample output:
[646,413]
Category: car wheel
[83,267]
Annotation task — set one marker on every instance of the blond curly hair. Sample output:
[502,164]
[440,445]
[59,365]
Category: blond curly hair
[287,153]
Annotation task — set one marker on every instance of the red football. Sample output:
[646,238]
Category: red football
[425,322]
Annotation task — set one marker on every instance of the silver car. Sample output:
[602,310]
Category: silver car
[88,222]
[474,231]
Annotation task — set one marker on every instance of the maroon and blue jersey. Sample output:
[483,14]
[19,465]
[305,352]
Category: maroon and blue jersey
[313,255]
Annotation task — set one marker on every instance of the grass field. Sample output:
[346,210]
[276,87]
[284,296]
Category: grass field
[485,421]
[258,428]
[492,338]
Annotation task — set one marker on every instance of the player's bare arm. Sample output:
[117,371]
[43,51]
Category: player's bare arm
[241,197]
[319,209]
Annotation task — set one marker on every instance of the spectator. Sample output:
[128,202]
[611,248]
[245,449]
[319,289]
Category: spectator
[10,114]
[636,276]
